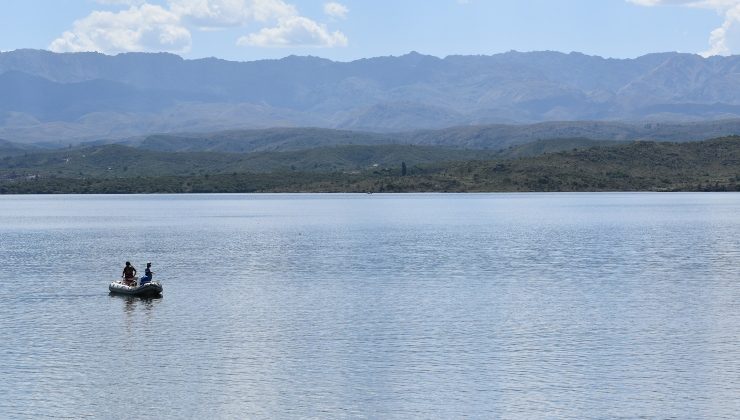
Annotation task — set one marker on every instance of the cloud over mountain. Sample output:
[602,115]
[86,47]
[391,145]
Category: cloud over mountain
[295,31]
[139,28]
[146,27]
[226,13]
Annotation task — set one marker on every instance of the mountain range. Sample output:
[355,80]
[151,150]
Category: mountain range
[73,97]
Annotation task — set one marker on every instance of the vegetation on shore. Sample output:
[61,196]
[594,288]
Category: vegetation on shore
[712,165]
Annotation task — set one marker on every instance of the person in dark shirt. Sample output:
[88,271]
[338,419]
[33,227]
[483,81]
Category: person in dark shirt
[147,274]
[129,273]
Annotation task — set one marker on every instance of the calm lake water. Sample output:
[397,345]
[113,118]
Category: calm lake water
[372,306]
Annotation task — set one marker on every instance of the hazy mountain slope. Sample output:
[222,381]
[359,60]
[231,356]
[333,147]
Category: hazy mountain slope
[244,141]
[500,135]
[489,137]
[52,101]
[14,149]
[91,96]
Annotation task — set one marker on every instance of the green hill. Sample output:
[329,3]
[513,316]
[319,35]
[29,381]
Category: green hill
[541,147]
[640,166]
[643,166]
[266,140]
[14,149]
[112,161]
[484,137]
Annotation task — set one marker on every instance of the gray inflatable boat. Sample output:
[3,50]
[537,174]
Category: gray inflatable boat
[151,289]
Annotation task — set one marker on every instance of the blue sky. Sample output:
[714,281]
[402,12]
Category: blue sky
[352,29]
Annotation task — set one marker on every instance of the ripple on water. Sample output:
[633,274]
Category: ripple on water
[531,305]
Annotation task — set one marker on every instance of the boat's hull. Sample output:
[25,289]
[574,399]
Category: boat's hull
[145,290]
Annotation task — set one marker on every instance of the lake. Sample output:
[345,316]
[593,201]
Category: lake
[373,306]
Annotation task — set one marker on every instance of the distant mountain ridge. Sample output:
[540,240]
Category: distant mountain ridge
[46,96]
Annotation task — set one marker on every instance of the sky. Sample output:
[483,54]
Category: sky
[346,30]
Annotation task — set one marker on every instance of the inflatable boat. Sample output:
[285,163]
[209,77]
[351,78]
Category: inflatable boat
[150,289]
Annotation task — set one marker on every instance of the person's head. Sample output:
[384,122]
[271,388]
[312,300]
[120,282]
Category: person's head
[128,263]
[148,265]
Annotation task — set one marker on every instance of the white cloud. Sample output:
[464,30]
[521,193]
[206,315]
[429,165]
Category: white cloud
[263,10]
[721,38]
[123,2]
[295,31]
[226,13]
[139,28]
[148,27]
[336,10]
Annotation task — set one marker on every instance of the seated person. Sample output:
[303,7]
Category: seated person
[147,274]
